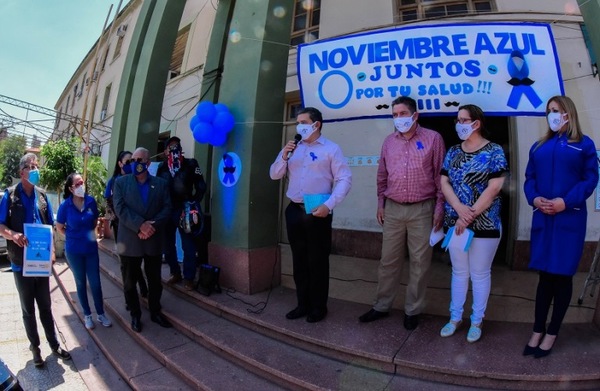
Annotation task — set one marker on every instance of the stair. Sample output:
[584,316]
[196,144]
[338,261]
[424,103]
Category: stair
[218,343]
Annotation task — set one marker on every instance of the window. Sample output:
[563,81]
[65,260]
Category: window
[118,46]
[178,52]
[305,25]
[409,10]
[105,58]
[105,102]
[292,110]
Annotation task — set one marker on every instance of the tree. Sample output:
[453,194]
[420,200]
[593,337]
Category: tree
[12,149]
[95,181]
[60,160]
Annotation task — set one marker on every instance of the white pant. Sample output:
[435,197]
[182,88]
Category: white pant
[477,262]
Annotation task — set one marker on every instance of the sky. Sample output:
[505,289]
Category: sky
[42,43]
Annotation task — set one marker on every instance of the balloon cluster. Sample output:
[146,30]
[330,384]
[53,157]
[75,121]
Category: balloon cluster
[211,123]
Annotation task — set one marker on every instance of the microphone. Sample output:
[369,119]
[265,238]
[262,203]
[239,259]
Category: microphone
[297,139]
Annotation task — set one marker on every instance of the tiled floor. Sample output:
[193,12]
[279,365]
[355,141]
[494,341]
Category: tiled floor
[512,298]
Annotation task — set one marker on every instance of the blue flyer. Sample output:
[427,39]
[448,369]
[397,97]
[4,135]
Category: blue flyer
[37,255]
[312,201]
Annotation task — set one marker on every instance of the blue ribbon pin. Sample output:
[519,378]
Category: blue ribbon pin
[228,169]
[420,145]
[313,156]
[520,81]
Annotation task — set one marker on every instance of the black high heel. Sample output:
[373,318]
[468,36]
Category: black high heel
[539,352]
[529,350]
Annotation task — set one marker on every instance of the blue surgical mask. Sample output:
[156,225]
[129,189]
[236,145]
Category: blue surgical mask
[139,168]
[34,177]
[127,168]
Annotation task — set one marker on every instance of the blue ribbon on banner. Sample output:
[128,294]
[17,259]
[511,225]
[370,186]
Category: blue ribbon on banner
[228,169]
[521,82]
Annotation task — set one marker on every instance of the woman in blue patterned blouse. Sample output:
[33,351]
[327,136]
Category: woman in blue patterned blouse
[472,177]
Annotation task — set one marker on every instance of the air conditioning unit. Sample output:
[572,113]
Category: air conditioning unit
[121,30]
[103,115]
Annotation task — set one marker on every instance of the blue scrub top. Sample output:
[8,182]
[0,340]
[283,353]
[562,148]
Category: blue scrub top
[32,213]
[80,228]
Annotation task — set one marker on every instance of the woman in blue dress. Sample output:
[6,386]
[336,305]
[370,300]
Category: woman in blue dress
[76,219]
[472,177]
[561,174]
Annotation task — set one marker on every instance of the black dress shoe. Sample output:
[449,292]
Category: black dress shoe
[161,320]
[62,353]
[411,322]
[38,361]
[529,350]
[316,316]
[136,325]
[372,315]
[539,352]
[296,313]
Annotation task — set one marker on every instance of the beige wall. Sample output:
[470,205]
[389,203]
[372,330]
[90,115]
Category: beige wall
[183,92]
[364,137]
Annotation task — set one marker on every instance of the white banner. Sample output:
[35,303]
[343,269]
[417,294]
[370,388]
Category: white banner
[507,69]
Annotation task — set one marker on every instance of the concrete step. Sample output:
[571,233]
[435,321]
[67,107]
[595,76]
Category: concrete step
[158,358]
[281,363]
[377,355]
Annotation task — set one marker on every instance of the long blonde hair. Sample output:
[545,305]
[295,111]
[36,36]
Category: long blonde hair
[574,133]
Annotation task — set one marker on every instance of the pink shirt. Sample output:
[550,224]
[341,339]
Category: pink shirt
[409,170]
[316,168]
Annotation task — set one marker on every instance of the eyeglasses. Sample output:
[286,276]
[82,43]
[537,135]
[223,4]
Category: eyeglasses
[462,120]
[31,167]
[138,160]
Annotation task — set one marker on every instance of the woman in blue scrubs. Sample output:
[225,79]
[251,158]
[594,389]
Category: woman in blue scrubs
[561,174]
[76,219]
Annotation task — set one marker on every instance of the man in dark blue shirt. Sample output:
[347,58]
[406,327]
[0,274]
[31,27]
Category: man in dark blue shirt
[21,204]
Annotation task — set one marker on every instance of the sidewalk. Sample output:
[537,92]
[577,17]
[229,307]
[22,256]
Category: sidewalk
[88,369]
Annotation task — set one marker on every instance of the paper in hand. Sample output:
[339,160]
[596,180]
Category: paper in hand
[312,201]
[458,242]
[436,236]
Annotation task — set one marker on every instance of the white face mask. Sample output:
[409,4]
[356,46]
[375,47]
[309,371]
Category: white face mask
[464,131]
[403,124]
[79,191]
[556,121]
[305,130]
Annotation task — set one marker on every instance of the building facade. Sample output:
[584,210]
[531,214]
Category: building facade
[356,232]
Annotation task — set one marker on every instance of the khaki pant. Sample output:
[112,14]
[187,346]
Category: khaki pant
[405,226]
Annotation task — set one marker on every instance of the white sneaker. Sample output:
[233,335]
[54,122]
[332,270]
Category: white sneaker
[89,323]
[104,320]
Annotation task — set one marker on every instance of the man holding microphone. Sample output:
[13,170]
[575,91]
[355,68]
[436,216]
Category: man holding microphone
[319,180]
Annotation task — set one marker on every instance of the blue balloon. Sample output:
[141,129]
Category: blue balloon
[203,132]
[221,107]
[193,122]
[218,138]
[224,122]
[205,111]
